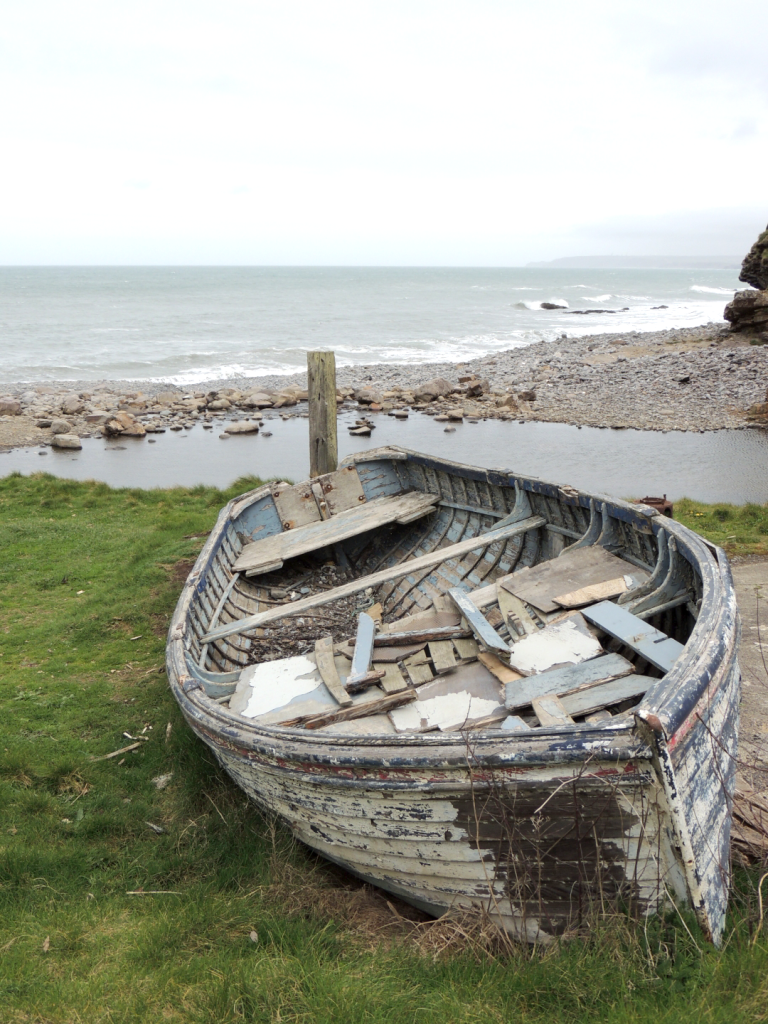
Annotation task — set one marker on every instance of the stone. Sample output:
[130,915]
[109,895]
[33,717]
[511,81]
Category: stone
[98,417]
[754,269]
[167,397]
[476,387]
[66,441]
[748,311]
[220,404]
[437,388]
[42,424]
[527,396]
[455,414]
[72,405]
[367,396]
[10,407]
[507,402]
[243,427]
[60,426]
[257,400]
[553,305]
[125,423]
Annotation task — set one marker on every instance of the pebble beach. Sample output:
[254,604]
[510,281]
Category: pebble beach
[690,379]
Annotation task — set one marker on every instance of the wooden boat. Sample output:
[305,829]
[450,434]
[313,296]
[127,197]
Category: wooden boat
[388,657]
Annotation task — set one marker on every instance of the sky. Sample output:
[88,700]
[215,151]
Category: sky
[378,133]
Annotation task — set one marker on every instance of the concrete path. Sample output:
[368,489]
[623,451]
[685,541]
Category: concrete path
[751,580]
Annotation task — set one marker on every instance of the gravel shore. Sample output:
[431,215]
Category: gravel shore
[701,378]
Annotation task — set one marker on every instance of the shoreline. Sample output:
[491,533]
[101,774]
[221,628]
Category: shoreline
[693,379]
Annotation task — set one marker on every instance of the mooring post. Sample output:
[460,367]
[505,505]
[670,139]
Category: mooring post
[321,384]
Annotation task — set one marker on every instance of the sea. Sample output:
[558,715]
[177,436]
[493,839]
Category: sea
[186,325]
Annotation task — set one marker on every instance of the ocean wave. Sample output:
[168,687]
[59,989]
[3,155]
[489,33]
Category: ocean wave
[712,291]
[596,298]
[539,305]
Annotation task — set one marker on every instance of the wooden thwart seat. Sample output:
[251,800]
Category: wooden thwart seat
[269,554]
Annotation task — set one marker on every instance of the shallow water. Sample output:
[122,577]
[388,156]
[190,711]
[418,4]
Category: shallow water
[723,465]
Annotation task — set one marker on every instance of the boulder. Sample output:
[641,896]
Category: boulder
[60,426]
[124,423]
[72,405]
[10,407]
[220,404]
[748,312]
[553,305]
[242,427]
[167,397]
[365,396]
[66,441]
[437,388]
[476,387]
[257,400]
[507,402]
[754,269]
[527,396]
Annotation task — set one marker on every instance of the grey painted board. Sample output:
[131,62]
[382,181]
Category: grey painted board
[593,698]
[560,681]
[361,659]
[478,623]
[656,647]
[551,711]
[514,724]
[573,570]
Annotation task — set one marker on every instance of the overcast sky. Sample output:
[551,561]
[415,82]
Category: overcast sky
[416,132]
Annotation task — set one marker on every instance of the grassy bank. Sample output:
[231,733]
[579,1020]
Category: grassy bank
[739,529]
[123,901]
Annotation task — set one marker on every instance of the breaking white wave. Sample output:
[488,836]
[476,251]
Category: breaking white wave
[596,298]
[559,303]
[712,291]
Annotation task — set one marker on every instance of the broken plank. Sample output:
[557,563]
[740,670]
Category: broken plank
[561,681]
[361,659]
[423,621]
[514,724]
[443,658]
[415,636]
[324,532]
[478,623]
[653,645]
[598,717]
[497,667]
[372,707]
[592,594]
[467,650]
[328,673]
[364,682]
[393,680]
[418,669]
[573,570]
[550,711]
[387,575]
[395,654]
[512,607]
[605,695]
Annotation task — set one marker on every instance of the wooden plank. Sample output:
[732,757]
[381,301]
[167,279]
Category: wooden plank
[573,570]
[366,681]
[447,712]
[478,623]
[598,717]
[497,667]
[371,725]
[415,636]
[467,650]
[653,645]
[395,654]
[513,608]
[562,643]
[393,680]
[321,385]
[295,505]
[592,594]
[514,724]
[424,621]
[605,695]
[443,658]
[561,681]
[383,576]
[372,707]
[550,711]
[272,684]
[342,490]
[301,539]
[361,659]
[418,669]
[327,668]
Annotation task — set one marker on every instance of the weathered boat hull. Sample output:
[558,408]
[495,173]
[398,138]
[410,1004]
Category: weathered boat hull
[542,829]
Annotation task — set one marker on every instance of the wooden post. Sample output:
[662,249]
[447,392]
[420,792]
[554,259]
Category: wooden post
[321,384]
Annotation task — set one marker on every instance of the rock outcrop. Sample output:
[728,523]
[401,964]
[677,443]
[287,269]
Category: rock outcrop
[747,312]
[754,269]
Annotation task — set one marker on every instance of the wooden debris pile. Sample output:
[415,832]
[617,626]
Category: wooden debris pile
[524,653]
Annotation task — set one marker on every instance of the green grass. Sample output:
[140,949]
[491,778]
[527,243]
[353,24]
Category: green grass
[79,669]
[739,529]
